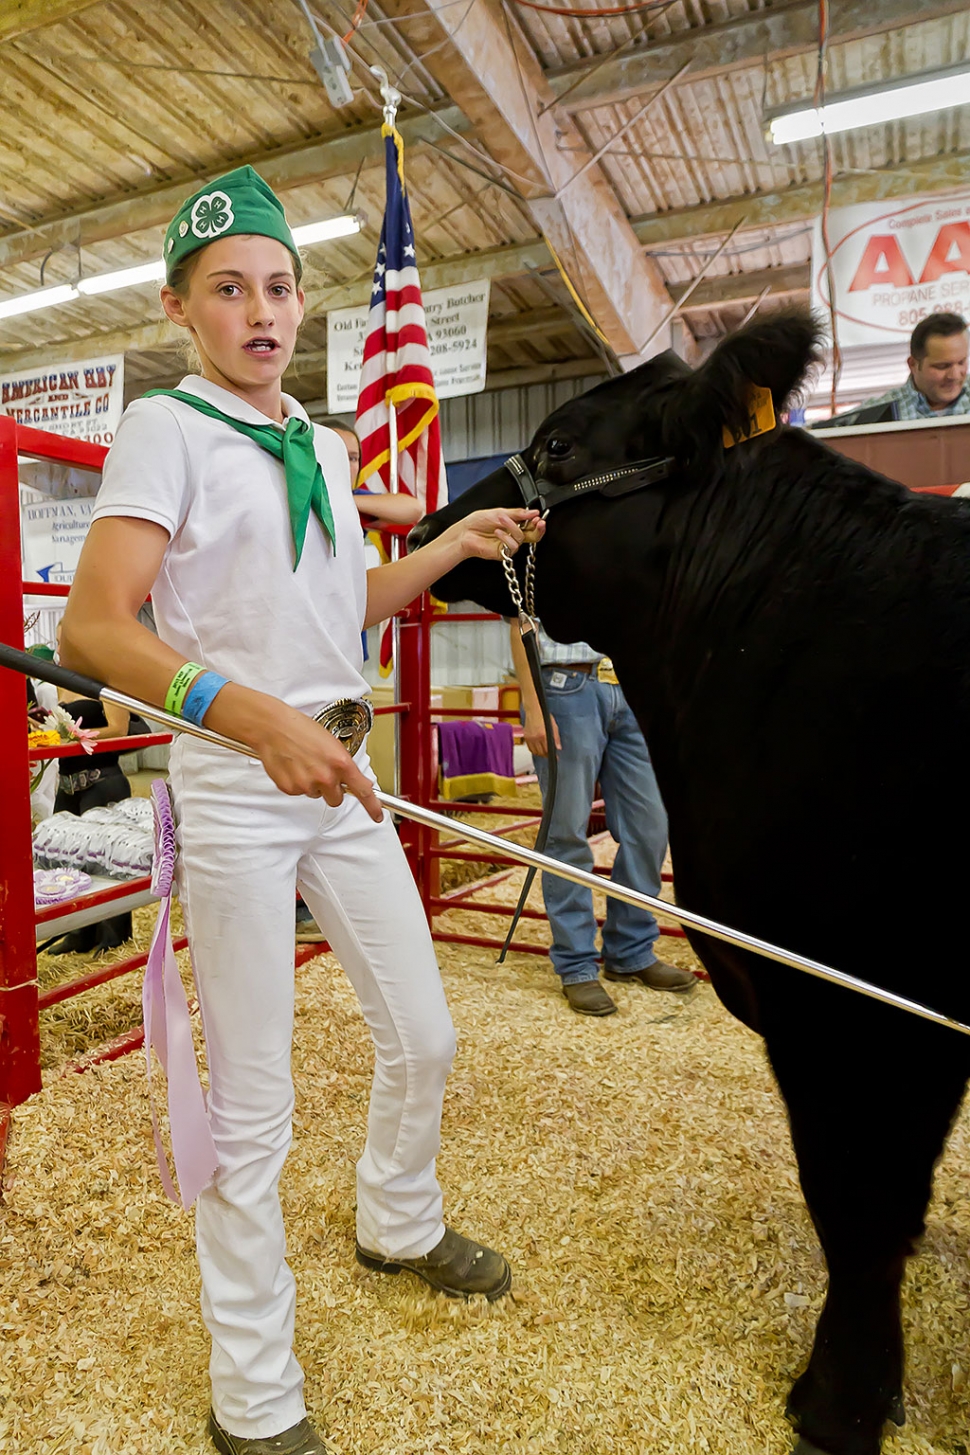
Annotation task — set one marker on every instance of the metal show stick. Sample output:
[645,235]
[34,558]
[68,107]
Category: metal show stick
[31,666]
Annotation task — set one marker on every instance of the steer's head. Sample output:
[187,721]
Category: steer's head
[662,408]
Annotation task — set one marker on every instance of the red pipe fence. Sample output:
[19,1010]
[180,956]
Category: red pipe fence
[20,998]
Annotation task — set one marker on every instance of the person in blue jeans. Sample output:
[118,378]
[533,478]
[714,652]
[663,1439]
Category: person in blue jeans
[599,741]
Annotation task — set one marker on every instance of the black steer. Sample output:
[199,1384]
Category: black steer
[793,634]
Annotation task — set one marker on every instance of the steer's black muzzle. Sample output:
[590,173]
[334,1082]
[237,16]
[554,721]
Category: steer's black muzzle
[418,534]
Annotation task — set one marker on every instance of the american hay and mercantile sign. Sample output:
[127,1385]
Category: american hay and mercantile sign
[84,401]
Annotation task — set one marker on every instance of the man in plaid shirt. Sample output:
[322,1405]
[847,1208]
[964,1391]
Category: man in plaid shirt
[937,383]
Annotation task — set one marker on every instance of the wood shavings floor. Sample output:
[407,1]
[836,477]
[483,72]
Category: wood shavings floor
[636,1170]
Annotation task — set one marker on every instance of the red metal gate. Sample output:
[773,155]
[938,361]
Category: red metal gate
[20,998]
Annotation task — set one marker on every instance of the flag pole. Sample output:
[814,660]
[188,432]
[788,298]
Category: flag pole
[392,100]
[394,486]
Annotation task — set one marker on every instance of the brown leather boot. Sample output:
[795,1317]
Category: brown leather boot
[587,997]
[657,976]
[456,1266]
[299,1439]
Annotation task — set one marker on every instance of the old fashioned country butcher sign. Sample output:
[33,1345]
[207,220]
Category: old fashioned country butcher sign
[892,266]
[457,320]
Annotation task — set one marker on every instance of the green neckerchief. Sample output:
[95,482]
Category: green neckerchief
[306,489]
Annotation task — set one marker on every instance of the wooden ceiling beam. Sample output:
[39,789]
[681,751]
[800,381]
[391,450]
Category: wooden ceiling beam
[794,279]
[20,17]
[480,56]
[762,210]
[784,30]
[711,294]
[338,155]
[504,262]
[804,203]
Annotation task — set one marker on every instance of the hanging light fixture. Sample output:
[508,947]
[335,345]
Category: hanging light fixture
[306,236]
[915,95]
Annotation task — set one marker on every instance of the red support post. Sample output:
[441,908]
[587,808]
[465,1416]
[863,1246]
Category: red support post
[414,687]
[19,1034]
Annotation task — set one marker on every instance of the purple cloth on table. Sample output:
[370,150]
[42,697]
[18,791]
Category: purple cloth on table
[471,749]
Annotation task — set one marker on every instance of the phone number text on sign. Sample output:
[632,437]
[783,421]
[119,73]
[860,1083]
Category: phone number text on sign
[457,323]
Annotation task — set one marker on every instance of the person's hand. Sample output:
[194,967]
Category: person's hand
[485,532]
[535,735]
[301,756]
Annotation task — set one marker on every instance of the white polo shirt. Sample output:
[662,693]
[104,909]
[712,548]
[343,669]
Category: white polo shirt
[227,596]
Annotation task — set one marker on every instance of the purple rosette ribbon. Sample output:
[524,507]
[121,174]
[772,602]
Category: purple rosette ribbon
[168,1030]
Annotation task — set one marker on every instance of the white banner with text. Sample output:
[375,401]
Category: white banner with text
[892,264]
[53,533]
[83,400]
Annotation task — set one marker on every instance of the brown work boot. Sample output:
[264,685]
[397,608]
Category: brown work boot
[299,1439]
[588,997]
[657,976]
[456,1266]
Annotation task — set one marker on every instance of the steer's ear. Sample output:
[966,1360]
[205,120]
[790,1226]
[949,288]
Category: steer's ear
[775,353]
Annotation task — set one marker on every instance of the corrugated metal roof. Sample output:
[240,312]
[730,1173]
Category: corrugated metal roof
[706,139]
[559,40]
[128,96]
[165,93]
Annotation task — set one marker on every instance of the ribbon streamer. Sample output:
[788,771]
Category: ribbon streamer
[168,1031]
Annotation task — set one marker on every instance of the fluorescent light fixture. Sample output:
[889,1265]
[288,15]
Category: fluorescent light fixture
[43,298]
[315,232]
[123,278]
[870,105]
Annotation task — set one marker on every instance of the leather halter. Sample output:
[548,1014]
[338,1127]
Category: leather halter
[541,495]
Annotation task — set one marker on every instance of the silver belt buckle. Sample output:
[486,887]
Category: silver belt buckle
[350,720]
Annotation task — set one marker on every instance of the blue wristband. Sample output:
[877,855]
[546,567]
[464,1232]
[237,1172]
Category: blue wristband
[200,695]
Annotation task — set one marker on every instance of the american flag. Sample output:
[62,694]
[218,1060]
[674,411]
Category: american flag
[396,371]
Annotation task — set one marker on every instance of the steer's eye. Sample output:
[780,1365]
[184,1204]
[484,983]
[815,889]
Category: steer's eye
[558,446]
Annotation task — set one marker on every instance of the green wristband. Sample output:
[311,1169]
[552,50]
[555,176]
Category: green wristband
[179,686]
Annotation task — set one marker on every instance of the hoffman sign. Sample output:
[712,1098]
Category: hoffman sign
[892,267]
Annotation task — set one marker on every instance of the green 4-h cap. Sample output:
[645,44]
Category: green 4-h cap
[239,202]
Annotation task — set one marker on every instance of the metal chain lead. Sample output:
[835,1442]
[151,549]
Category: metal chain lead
[512,580]
[526,607]
[530,580]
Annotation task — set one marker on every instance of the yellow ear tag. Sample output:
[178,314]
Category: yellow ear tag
[761,417]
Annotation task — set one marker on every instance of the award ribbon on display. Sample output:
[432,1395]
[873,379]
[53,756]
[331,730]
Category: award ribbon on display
[168,1030]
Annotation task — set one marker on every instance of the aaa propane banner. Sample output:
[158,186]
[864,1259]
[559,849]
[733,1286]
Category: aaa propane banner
[82,400]
[893,265]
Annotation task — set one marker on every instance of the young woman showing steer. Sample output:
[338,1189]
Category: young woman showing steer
[222,500]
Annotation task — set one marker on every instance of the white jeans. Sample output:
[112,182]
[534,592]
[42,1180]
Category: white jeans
[245,846]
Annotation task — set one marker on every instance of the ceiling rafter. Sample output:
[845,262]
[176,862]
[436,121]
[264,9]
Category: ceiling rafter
[492,72]
[784,30]
[712,293]
[20,17]
[326,157]
[710,219]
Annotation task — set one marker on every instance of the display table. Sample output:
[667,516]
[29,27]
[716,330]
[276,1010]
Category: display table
[923,454]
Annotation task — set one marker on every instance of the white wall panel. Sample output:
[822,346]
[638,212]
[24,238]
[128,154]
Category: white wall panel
[503,420]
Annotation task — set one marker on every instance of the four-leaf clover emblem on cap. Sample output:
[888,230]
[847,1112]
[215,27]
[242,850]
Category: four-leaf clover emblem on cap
[211,214]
